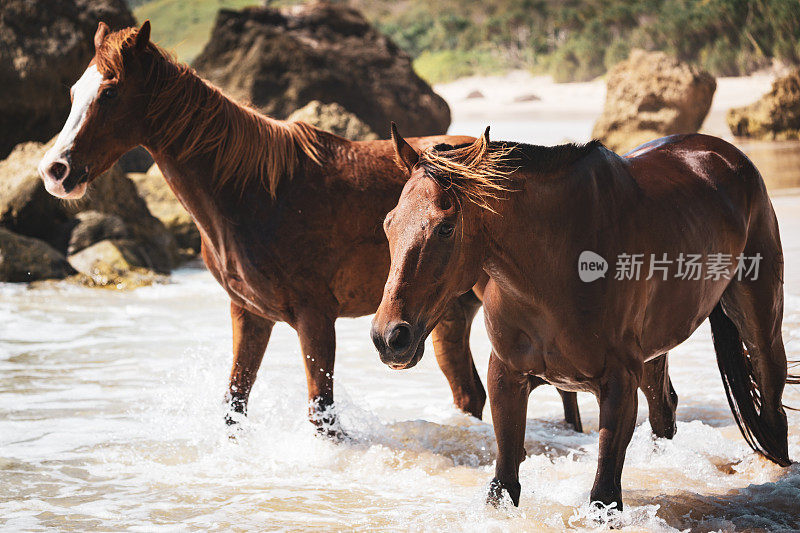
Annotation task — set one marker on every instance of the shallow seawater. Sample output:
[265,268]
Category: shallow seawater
[111,418]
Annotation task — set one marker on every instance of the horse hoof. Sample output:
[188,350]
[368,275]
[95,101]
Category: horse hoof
[615,504]
[332,433]
[500,493]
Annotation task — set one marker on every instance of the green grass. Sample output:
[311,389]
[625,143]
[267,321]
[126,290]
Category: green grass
[448,65]
[183,26]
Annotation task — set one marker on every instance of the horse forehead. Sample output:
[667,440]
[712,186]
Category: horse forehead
[419,196]
[87,85]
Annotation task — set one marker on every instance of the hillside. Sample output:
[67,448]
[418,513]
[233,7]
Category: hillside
[182,26]
[572,40]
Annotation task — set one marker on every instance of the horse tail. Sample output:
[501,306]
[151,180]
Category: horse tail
[742,390]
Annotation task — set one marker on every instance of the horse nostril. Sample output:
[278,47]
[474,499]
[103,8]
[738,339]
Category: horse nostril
[399,337]
[58,170]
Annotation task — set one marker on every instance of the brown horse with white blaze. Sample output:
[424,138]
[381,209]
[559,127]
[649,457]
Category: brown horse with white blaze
[275,203]
[524,215]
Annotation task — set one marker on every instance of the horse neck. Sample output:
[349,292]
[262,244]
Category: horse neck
[188,160]
[552,217]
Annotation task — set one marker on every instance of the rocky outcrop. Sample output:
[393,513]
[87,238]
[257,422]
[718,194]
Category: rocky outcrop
[335,119]
[775,116]
[651,95]
[117,263]
[94,226]
[115,194]
[27,259]
[153,188]
[44,48]
[136,160]
[281,59]
[25,206]
[112,209]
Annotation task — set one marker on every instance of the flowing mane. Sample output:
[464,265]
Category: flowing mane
[482,172]
[188,113]
[476,171]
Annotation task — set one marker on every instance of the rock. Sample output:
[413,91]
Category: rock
[775,116]
[281,59]
[153,188]
[115,194]
[526,98]
[474,95]
[651,95]
[27,208]
[335,119]
[117,263]
[136,160]
[27,259]
[93,226]
[44,48]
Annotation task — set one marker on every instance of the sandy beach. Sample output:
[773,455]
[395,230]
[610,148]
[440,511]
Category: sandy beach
[534,109]
[520,95]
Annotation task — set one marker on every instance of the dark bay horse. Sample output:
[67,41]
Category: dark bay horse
[527,215]
[290,216]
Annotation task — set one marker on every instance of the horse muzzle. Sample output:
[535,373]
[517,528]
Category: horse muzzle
[399,344]
[63,179]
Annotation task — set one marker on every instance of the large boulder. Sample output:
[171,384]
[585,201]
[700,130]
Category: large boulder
[651,95]
[92,227]
[775,116]
[153,188]
[279,60]
[44,48]
[26,208]
[27,259]
[136,160]
[117,263]
[335,119]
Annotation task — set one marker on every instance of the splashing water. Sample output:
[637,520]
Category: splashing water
[111,418]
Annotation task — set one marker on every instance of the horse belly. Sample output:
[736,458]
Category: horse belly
[673,315]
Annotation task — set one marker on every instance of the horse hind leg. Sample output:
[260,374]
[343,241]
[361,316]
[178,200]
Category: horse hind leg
[751,311]
[662,400]
[572,414]
[451,343]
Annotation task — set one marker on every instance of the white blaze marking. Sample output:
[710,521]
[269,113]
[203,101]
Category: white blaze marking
[84,93]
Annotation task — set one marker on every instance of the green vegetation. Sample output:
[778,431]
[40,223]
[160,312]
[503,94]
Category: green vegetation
[570,39]
[183,26]
[579,40]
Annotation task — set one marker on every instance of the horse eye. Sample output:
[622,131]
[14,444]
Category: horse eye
[445,229]
[109,92]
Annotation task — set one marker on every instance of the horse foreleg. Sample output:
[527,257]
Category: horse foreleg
[662,400]
[318,344]
[508,398]
[250,337]
[451,344]
[618,404]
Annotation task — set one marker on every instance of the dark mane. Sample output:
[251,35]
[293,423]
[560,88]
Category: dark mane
[549,159]
[246,144]
[481,172]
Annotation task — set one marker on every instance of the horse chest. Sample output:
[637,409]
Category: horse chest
[245,286]
[534,342]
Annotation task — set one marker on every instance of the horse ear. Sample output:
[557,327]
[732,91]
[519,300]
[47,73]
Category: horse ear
[405,156]
[143,36]
[486,135]
[100,35]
